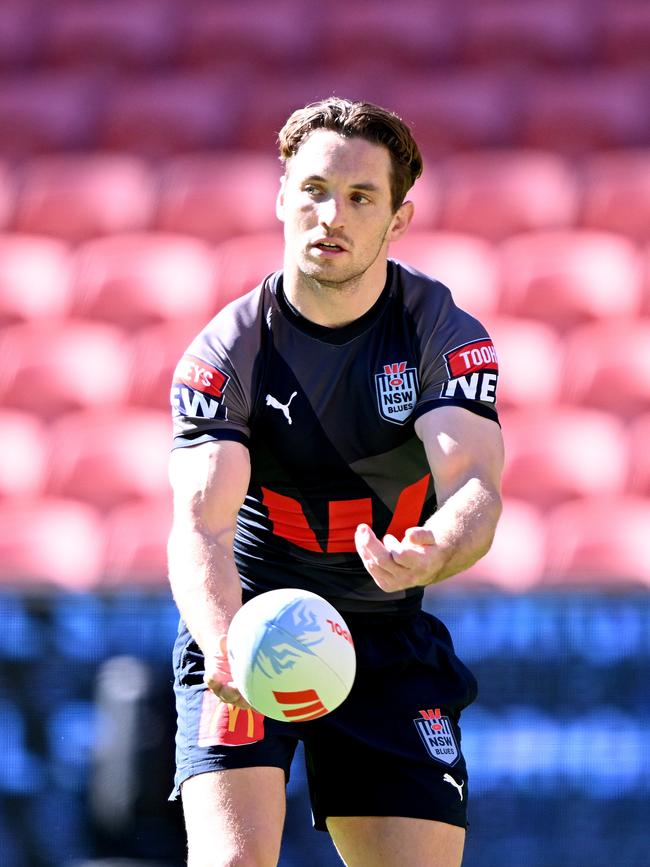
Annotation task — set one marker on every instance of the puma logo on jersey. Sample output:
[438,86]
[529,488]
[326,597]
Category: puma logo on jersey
[283,407]
[449,779]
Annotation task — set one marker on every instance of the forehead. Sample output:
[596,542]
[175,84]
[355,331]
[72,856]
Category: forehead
[329,155]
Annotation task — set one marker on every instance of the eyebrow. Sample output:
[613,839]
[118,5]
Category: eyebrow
[368,186]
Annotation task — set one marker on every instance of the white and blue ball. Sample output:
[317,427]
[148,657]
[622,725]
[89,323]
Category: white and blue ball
[291,655]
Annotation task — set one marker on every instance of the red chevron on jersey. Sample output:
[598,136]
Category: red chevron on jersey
[472,357]
[198,375]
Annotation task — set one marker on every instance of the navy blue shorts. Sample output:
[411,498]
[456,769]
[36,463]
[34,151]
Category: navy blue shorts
[393,748]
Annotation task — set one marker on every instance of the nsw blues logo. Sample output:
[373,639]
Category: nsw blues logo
[397,391]
[437,735]
[295,631]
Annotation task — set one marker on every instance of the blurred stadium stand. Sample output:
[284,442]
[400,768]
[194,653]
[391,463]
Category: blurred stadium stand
[138,179]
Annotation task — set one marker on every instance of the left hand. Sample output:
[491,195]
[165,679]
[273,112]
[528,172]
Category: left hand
[395,565]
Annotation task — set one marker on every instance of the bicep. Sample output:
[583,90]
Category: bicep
[461,445]
[209,483]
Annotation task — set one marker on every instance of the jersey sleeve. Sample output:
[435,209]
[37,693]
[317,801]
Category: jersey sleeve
[459,365]
[209,397]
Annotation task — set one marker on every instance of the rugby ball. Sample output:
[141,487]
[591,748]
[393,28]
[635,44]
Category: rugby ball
[291,655]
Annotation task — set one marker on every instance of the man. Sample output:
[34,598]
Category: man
[336,431]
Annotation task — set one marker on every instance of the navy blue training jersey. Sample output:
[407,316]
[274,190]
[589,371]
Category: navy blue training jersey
[328,417]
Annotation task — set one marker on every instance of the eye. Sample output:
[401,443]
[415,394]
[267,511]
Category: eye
[311,190]
[359,198]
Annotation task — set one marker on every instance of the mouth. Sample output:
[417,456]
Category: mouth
[327,246]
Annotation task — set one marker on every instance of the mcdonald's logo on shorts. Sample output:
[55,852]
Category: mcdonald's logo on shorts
[226,725]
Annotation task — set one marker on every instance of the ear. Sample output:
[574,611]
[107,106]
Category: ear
[401,221]
[279,202]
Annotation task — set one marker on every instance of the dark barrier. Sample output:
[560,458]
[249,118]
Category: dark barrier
[557,743]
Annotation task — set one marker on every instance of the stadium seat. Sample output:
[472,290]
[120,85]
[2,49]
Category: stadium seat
[515,562]
[599,541]
[566,278]
[584,111]
[48,111]
[166,114]
[22,28]
[123,34]
[136,543]
[106,457]
[556,454]
[242,263]
[77,197]
[625,33]
[49,368]
[23,454]
[154,354]
[216,196]
[464,109]
[7,194]
[467,265]
[501,193]
[616,193]
[267,37]
[553,32]
[425,37]
[531,358]
[50,542]
[639,446]
[35,278]
[607,366]
[141,278]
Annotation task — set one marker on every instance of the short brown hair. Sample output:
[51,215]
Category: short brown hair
[360,120]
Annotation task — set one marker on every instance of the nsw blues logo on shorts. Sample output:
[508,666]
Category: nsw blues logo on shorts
[438,736]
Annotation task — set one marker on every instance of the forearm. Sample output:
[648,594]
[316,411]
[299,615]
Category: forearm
[464,527]
[204,581]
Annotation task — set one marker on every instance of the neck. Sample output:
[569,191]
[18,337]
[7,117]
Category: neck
[333,305]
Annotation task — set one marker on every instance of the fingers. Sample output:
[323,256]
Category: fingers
[219,678]
[397,565]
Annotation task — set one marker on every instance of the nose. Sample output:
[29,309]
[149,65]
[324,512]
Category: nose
[330,214]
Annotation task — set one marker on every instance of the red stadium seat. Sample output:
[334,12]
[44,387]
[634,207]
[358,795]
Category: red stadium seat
[155,352]
[81,196]
[419,38]
[585,111]
[265,36]
[106,458]
[242,263]
[515,562]
[625,33]
[122,34]
[467,265]
[50,542]
[163,115]
[22,28]
[48,111]
[531,359]
[216,196]
[599,541]
[7,194]
[639,442]
[607,365]
[23,454]
[138,279]
[535,32]
[616,193]
[556,454]
[35,278]
[136,543]
[49,368]
[497,194]
[464,109]
[566,278]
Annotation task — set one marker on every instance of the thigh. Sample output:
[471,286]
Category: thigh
[234,816]
[396,841]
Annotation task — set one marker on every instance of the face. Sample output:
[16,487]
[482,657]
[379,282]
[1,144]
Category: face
[335,203]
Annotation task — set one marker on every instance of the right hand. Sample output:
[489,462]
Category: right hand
[219,678]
